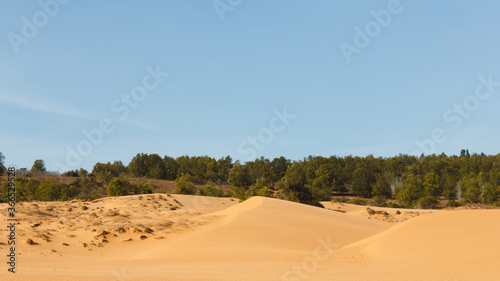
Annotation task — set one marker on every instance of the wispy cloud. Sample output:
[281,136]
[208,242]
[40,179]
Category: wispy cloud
[41,104]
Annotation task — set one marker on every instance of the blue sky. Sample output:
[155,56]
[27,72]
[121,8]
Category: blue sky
[232,73]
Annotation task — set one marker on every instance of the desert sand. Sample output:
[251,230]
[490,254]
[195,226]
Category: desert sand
[180,237]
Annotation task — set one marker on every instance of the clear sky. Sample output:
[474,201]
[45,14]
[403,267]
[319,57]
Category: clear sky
[246,79]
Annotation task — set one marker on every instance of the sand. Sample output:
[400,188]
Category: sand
[179,237]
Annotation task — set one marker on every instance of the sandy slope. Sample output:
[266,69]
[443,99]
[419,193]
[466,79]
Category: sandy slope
[460,245]
[383,214]
[203,238]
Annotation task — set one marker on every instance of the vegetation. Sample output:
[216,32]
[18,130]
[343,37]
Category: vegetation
[184,185]
[211,190]
[408,180]
[38,166]
[52,189]
[121,186]
[2,166]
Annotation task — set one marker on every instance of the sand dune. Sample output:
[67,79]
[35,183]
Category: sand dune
[179,237]
[460,245]
[263,228]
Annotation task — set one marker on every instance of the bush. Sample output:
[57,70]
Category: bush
[339,199]
[242,193]
[105,176]
[377,200]
[82,173]
[69,192]
[49,190]
[264,192]
[390,205]
[72,173]
[427,202]
[211,190]
[119,187]
[453,204]
[358,201]
[184,186]
[142,188]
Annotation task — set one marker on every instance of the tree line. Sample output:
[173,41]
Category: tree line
[412,181]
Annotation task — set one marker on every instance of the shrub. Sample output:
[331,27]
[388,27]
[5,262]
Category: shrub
[427,202]
[339,199]
[390,205]
[211,190]
[358,201]
[264,192]
[82,173]
[105,176]
[95,195]
[453,204]
[377,200]
[69,192]
[49,190]
[119,187]
[142,188]
[184,186]
[242,193]
[72,173]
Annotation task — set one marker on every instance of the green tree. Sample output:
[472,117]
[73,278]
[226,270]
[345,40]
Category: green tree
[280,165]
[155,167]
[412,191]
[295,184]
[138,166]
[381,187]
[224,165]
[322,184]
[239,176]
[2,166]
[82,173]
[489,194]
[38,166]
[431,184]
[184,165]
[472,193]
[199,168]
[107,171]
[361,184]
[171,168]
[212,171]
[105,176]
